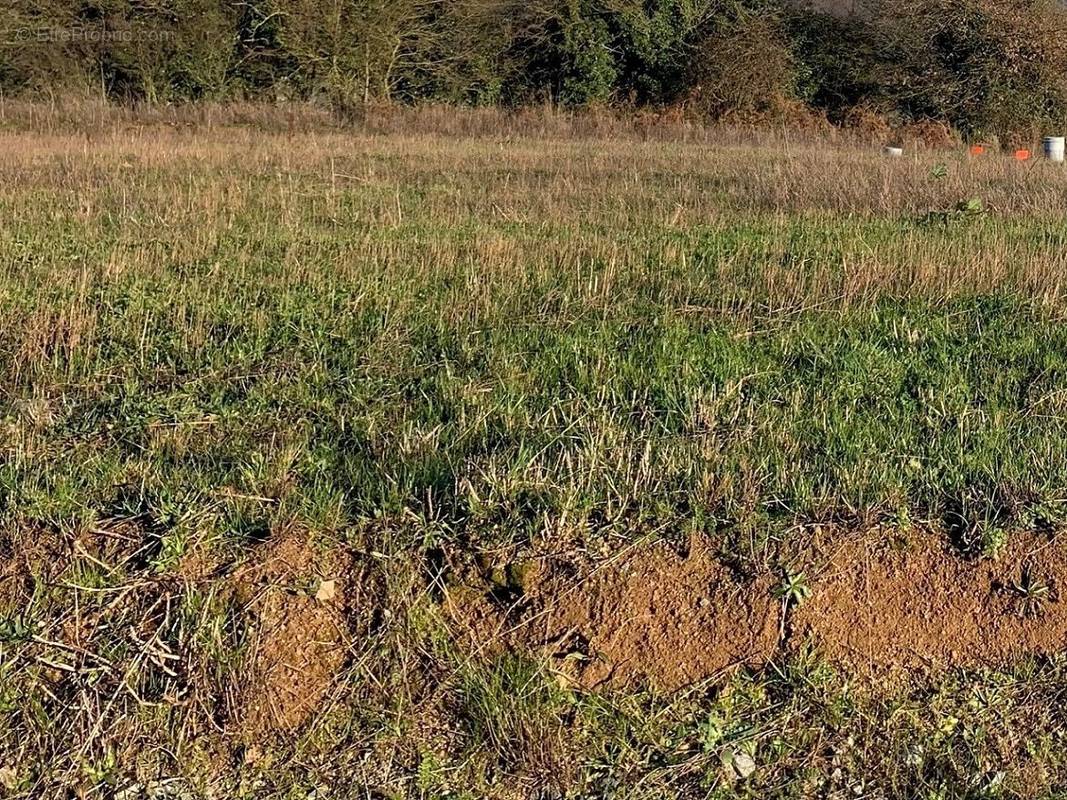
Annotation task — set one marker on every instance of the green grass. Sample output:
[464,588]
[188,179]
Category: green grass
[374,396]
[216,343]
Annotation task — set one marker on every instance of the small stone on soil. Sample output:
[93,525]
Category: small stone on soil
[744,764]
[327,591]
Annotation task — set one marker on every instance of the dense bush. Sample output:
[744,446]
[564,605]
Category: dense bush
[989,67]
[842,58]
[985,66]
[744,64]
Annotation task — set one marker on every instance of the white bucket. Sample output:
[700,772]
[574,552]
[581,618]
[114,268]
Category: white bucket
[1053,146]
[896,152]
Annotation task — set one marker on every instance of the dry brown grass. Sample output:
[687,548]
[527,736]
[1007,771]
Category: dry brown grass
[790,121]
[169,189]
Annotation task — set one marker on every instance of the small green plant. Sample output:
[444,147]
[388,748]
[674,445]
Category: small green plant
[938,171]
[15,629]
[993,541]
[1031,592]
[712,732]
[963,211]
[1044,516]
[901,518]
[428,775]
[794,589]
[102,771]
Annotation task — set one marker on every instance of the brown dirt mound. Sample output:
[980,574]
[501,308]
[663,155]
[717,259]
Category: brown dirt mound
[297,598]
[879,604]
[916,605]
[655,615]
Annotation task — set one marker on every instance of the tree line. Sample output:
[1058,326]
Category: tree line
[983,66]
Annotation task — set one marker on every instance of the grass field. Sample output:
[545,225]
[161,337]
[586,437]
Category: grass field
[288,418]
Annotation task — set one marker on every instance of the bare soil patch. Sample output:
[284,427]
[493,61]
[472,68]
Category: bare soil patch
[298,598]
[655,615]
[879,603]
[915,604]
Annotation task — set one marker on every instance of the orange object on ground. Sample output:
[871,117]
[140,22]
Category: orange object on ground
[1022,155]
[977,149]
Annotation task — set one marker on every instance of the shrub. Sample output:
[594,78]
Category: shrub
[657,42]
[986,67]
[842,61]
[744,65]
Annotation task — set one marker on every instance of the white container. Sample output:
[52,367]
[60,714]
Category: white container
[893,152]
[1053,147]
